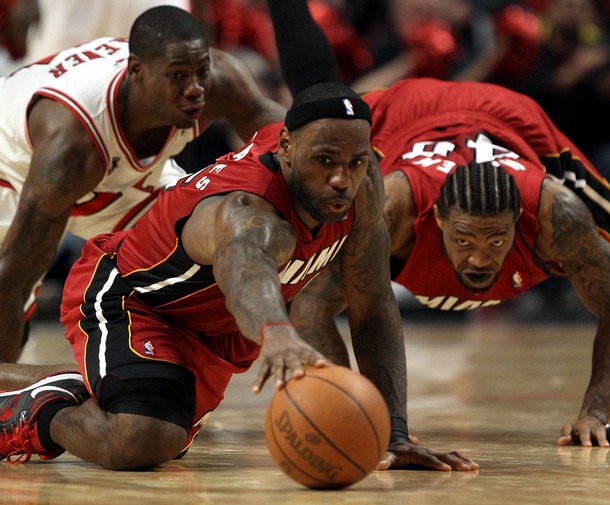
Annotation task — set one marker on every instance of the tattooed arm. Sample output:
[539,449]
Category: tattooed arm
[245,240]
[313,312]
[372,311]
[568,235]
[361,281]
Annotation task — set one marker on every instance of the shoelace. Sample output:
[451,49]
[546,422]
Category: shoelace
[16,445]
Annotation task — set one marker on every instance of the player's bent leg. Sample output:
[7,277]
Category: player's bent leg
[25,416]
[134,422]
[117,441]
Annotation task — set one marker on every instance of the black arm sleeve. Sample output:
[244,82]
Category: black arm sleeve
[306,57]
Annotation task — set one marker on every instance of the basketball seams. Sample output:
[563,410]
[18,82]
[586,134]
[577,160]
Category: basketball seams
[355,401]
[322,436]
[313,425]
[279,449]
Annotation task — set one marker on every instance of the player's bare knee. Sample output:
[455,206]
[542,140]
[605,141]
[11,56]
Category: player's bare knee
[145,444]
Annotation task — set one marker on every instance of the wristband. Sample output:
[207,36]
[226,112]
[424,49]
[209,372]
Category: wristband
[400,430]
[272,323]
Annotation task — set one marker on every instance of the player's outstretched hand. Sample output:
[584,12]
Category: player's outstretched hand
[404,454]
[284,355]
[586,431]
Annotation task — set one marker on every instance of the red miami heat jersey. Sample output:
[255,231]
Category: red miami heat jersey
[429,275]
[420,116]
[426,127]
[152,261]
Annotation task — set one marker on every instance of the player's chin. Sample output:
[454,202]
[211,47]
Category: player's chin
[185,123]
[334,214]
[188,117]
[331,219]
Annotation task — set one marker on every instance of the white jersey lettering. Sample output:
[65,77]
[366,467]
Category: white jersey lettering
[77,58]
[433,154]
[296,270]
[448,302]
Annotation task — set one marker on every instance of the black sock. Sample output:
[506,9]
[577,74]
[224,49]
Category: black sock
[47,413]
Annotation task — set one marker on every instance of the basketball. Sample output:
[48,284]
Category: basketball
[328,429]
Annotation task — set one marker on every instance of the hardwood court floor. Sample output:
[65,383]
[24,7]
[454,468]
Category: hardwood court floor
[495,391]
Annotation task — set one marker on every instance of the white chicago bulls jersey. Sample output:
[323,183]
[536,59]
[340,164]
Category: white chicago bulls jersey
[86,79]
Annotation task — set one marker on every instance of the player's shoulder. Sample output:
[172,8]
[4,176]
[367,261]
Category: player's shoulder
[553,190]
[224,66]
[561,209]
[565,222]
[232,84]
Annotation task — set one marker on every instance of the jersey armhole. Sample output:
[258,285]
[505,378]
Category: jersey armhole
[81,115]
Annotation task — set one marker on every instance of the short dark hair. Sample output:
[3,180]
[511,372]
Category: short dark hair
[482,189]
[155,28]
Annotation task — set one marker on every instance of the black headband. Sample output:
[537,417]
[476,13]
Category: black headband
[336,107]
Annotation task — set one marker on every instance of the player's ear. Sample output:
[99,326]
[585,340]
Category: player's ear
[284,147]
[437,216]
[134,66]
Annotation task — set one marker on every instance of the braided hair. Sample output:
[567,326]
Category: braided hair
[482,189]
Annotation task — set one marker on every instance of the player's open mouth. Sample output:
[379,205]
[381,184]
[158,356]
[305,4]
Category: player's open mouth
[194,110]
[339,205]
[478,278]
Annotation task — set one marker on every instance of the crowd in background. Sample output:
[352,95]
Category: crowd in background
[556,51]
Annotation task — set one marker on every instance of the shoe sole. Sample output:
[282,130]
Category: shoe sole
[46,384]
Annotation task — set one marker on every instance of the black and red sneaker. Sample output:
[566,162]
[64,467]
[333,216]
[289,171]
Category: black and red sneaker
[19,411]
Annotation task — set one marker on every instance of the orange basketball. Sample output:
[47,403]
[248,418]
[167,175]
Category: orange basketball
[328,429]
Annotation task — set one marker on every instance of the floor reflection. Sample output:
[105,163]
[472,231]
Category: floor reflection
[497,392]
